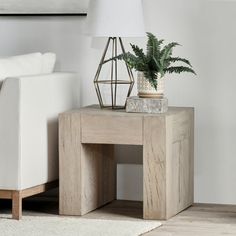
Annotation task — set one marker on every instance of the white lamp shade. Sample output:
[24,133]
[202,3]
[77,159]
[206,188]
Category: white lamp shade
[115,18]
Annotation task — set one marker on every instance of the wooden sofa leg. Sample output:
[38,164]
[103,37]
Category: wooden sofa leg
[16,205]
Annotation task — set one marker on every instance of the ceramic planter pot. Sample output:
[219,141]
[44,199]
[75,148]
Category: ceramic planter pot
[146,90]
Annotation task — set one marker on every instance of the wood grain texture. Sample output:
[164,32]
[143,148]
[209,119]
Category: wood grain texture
[154,168]
[180,161]
[5,194]
[39,189]
[16,205]
[87,171]
[69,164]
[95,110]
[112,129]
[200,220]
[86,163]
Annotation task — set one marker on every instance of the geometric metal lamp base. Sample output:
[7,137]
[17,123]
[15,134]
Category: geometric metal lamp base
[113,82]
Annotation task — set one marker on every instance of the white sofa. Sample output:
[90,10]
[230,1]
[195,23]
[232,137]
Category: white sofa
[31,97]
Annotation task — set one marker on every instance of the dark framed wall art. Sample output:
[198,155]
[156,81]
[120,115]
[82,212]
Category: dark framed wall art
[43,7]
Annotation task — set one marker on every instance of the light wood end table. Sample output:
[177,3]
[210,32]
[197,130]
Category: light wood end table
[88,169]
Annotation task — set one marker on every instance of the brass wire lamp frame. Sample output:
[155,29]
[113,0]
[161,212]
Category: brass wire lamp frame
[113,81]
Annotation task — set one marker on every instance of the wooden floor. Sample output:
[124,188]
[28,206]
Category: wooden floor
[199,220]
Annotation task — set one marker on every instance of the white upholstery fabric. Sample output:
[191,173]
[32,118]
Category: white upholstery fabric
[29,64]
[48,63]
[29,107]
[9,135]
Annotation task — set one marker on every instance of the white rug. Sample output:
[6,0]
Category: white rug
[72,226]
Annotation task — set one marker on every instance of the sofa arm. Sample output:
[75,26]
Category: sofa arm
[59,86]
[9,135]
[29,107]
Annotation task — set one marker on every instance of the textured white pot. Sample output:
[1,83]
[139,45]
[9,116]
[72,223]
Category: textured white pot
[146,90]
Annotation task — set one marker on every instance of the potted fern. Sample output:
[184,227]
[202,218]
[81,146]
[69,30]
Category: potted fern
[153,65]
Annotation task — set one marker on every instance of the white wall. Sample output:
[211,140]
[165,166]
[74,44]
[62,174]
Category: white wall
[205,28]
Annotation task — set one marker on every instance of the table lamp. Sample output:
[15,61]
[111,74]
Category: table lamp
[114,19]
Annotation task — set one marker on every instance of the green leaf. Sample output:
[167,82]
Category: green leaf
[153,46]
[177,59]
[138,52]
[135,62]
[179,69]
[167,52]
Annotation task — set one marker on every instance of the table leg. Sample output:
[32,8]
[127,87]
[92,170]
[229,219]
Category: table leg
[168,150]
[87,171]
[16,205]
[154,172]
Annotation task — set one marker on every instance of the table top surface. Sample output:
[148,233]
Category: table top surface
[95,109]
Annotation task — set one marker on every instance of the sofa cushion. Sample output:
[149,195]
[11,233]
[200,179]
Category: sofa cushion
[29,64]
[49,60]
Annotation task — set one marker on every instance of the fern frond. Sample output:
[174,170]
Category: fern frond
[179,69]
[159,67]
[153,46]
[177,59]
[135,62]
[167,51]
[138,52]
